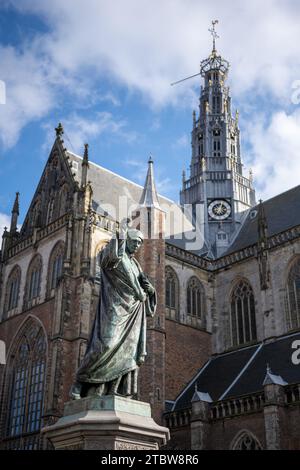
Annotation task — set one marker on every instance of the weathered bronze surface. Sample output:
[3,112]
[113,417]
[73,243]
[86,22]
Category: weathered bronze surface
[117,345]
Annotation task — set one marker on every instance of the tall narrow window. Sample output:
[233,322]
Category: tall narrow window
[217,148]
[293,297]
[242,315]
[26,390]
[55,268]
[33,281]
[171,293]
[195,298]
[12,290]
[50,210]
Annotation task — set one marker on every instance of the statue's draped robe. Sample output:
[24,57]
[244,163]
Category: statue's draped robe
[117,344]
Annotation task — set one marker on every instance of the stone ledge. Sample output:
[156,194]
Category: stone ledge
[107,425]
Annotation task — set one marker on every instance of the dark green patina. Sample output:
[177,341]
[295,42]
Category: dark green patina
[117,345]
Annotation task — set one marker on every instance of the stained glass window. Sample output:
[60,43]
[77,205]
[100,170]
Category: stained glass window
[293,297]
[242,315]
[12,289]
[27,388]
[195,298]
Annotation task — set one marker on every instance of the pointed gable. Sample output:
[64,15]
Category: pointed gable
[53,196]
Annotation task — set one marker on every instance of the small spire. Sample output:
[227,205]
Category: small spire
[15,214]
[149,197]
[59,130]
[15,208]
[271,378]
[183,176]
[262,225]
[86,155]
[194,119]
[85,165]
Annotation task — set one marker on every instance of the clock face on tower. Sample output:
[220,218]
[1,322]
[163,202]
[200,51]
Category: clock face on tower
[219,209]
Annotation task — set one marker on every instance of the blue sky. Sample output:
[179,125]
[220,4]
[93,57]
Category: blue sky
[104,70]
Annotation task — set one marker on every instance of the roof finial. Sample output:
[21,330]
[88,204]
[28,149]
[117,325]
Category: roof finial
[214,34]
[14,215]
[86,154]
[150,158]
[15,208]
[59,130]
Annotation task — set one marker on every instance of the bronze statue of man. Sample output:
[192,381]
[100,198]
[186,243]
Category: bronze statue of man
[117,344]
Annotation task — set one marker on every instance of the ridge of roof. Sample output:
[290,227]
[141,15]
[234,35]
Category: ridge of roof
[116,174]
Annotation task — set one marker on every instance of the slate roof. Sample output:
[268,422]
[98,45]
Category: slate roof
[242,372]
[108,188]
[282,212]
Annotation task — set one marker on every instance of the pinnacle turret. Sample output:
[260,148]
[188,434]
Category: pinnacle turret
[149,197]
[14,215]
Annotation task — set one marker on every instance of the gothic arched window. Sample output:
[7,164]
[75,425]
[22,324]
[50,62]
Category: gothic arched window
[195,298]
[33,281]
[293,296]
[171,280]
[242,315]
[246,441]
[63,200]
[12,290]
[35,214]
[55,266]
[50,209]
[26,388]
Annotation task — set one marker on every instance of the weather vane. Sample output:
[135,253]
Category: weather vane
[213,61]
[214,33]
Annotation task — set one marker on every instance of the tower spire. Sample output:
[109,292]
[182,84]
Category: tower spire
[14,215]
[149,197]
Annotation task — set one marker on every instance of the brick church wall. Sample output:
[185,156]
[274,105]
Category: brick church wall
[187,349]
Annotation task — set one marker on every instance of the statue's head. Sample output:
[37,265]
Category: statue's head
[134,241]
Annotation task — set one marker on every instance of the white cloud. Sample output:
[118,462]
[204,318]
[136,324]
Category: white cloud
[274,154]
[79,130]
[146,46]
[4,222]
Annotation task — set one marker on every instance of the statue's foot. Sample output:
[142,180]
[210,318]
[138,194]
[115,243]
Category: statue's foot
[75,391]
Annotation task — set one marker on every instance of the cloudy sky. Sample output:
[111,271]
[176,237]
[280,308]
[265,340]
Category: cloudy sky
[103,68]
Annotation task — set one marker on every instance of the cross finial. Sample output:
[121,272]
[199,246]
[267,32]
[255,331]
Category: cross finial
[214,34]
[59,130]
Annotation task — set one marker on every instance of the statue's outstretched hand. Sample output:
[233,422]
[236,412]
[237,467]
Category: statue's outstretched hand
[123,227]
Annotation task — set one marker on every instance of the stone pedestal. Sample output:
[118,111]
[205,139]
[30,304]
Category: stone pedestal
[106,423]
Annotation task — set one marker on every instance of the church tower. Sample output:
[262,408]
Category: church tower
[216,189]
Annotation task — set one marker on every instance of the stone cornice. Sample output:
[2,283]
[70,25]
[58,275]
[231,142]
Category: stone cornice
[250,251]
